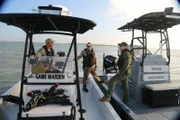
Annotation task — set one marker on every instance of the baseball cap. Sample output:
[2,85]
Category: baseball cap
[123,44]
[49,40]
[89,44]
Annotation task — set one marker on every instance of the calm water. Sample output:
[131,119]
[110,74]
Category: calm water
[11,54]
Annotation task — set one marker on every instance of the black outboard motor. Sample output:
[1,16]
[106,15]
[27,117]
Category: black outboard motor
[110,64]
[61,54]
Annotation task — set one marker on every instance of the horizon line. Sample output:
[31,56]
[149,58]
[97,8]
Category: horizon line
[77,43]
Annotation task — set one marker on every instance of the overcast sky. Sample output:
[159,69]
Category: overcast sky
[108,14]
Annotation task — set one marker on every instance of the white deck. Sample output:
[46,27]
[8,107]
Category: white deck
[90,104]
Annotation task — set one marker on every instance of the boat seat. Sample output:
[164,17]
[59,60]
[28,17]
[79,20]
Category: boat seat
[162,86]
[48,111]
[154,60]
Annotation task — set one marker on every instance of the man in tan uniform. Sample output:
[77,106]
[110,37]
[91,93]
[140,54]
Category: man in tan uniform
[47,50]
[89,64]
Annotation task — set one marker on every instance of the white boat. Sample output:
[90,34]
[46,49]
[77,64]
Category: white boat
[152,94]
[38,96]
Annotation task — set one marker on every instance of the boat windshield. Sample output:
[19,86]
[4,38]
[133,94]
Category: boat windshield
[50,65]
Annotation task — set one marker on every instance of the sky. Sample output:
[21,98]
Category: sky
[107,14]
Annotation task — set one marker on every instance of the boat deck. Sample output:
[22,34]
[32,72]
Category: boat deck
[96,110]
[90,104]
[143,111]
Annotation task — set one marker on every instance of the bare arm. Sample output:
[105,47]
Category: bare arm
[56,54]
[38,54]
[80,55]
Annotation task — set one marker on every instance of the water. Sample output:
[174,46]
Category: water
[11,54]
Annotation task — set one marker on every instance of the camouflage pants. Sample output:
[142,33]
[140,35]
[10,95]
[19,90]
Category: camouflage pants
[115,79]
[87,71]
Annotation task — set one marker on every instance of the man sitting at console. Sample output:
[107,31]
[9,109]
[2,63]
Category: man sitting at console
[47,50]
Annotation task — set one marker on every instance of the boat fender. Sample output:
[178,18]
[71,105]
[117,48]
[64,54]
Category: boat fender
[12,99]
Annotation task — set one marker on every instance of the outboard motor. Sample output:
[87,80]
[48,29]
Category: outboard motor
[110,64]
[61,54]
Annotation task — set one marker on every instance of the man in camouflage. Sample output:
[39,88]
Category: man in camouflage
[124,65]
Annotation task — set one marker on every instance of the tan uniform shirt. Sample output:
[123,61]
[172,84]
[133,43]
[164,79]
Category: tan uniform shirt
[83,53]
[42,52]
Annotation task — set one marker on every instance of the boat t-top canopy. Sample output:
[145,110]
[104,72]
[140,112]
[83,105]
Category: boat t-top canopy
[34,23]
[157,22]
[40,23]
[153,21]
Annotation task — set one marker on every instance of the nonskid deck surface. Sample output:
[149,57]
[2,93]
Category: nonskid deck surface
[144,111]
[96,110]
[90,104]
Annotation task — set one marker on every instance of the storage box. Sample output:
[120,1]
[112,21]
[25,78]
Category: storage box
[160,95]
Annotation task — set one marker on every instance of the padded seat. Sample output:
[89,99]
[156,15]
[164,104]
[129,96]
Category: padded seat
[48,110]
[164,86]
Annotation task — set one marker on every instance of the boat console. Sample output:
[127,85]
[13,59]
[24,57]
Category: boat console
[44,73]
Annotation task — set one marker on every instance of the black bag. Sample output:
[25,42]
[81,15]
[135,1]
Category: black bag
[110,64]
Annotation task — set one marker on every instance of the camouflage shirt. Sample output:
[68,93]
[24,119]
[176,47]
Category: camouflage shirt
[124,62]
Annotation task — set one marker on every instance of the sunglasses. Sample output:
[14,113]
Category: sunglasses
[50,43]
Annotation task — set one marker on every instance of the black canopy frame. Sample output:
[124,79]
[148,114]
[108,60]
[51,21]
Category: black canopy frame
[48,24]
[157,22]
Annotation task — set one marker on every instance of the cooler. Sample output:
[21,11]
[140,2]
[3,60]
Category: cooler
[160,95]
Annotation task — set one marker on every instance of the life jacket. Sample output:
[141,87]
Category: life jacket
[120,61]
[48,53]
[88,60]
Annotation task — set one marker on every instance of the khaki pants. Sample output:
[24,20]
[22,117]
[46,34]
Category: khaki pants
[88,70]
[115,79]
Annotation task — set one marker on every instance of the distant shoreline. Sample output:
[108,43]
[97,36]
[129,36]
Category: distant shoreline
[57,42]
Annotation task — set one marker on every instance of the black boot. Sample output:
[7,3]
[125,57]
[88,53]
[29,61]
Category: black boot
[85,89]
